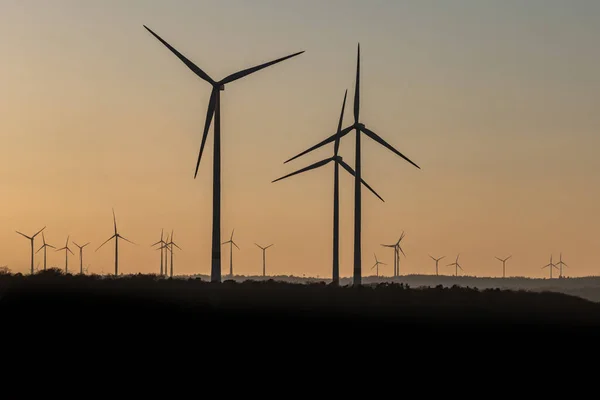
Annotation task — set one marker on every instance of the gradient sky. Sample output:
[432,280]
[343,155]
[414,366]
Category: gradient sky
[497,101]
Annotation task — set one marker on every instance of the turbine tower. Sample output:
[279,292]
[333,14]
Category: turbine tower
[437,260]
[456,265]
[561,263]
[231,244]
[214,108]
[551,265]
[161,248]
[397,250]
[80,256]
[116,236]
[337,160]
[31,239]
[503,261]
[358,127]
[171,243]
[264,249]
[67,251]
[44,246]
[377,263]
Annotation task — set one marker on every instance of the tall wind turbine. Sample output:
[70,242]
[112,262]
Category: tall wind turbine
[397,250]
[551,265]
[171,243]
[67,251]
[231,244]
[80,256]
[214,108]
[31,238]
[377,263]
[264,249]
[561,263]
[358,127]
[437,260]
[44,246]
[456,265]
[337,161]
[161,248]
[116,236]
[503,261]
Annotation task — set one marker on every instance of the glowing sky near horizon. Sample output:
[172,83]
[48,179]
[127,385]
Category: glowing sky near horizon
[497,101]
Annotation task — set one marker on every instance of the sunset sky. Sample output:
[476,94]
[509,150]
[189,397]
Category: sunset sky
[497,101]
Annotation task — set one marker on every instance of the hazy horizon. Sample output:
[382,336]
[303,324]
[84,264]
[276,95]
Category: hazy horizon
[495,100]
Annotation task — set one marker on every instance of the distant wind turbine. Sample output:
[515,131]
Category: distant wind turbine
[44,246]
[31,238]
[214,108]
[67,251]
[551,265]
[161,248]
[264,249]
[231,244]
[503,261]
[80,256]
[337,160]
[397,250]
[358,127]
[171,243]
[437,260]
[116,236]
[377,263]
[561,263]
[456,265]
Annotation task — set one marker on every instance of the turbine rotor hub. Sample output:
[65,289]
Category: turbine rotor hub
[221,87]
[359,125]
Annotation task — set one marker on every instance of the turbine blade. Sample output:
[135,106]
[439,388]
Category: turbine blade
[357,88]
[39,249]
[225,242]
[62,248]
[159,242]
[23,235]
[269,246]
[231,238]
[49,245]
[382,142]
[402,251]
[351,171]
[173,244]
[509,257]
[85,245]
[113,236]
[432,258]
[76,244]
[115,220]
[382,263]
[499,259]
[339,128]
[187,62]
[258,246]
[248,71]
[70,251]
[209,115]
[38,232]
[330,139]
[235,245]
[313,166]
[125,239]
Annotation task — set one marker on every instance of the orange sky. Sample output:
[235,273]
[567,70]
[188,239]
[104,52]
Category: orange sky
[496,101]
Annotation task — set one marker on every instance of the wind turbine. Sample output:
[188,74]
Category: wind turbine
[162,243]
[561,263]
[67,250]
[264,249]
[337,160]
[377,263]
[116,236]
[31,238]
[456,265]
[231,244]
[80,256]
[358,127]
[172,243]
[397,250]
[437,260]
[214,108]
[551,265]
[503,261]
[44,246]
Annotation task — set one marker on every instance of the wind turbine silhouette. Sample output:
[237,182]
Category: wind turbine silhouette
[31,238]
[214,108]
[67,250]
[358,127]
[551,265]
[172,243]
[161,248]
[377,263]
[397,250]
[264,249]
[116,236]
[80,256]
[503,261]
[44,246]
[456,265]
[437,260]
[337,160]
[231,244]
[561,263]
